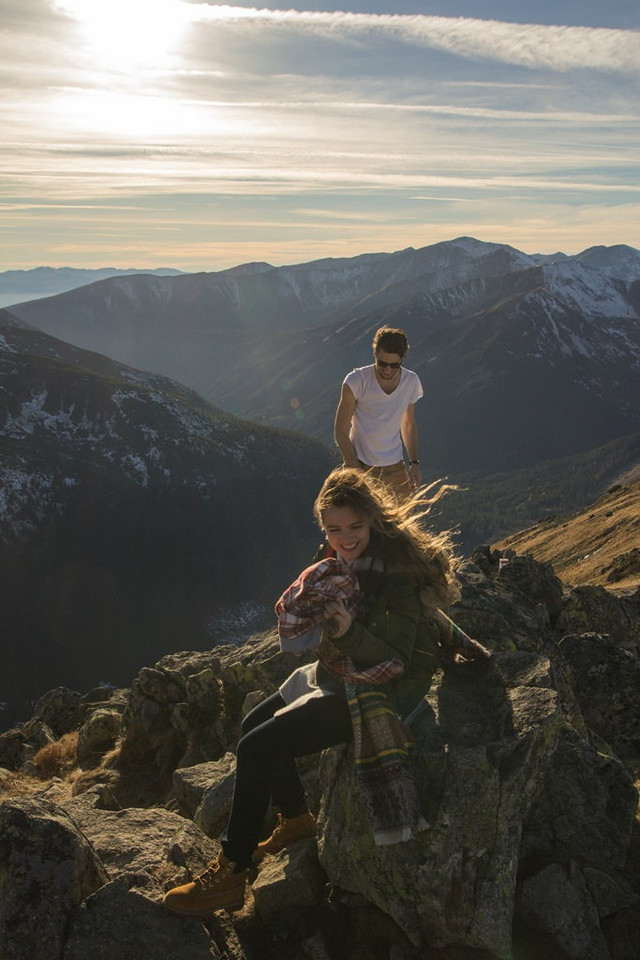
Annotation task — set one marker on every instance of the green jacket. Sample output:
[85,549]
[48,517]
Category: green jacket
[395,626]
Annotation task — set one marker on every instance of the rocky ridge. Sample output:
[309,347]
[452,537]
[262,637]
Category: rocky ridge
[525,766]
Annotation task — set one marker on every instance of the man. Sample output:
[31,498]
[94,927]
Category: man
[376,416]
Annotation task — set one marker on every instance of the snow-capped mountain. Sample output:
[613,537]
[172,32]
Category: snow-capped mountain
[133,515]
[524,358]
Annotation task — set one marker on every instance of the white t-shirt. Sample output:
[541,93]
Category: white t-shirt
[375,425]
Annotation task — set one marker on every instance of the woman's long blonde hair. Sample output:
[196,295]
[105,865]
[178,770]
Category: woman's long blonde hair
[427,557]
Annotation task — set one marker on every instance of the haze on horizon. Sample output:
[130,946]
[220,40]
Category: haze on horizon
[145,133]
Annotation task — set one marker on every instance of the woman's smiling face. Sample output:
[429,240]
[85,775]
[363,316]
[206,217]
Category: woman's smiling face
[347,531]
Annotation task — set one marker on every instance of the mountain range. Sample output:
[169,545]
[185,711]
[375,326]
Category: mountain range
[135,518]
[529,363]
[17,285]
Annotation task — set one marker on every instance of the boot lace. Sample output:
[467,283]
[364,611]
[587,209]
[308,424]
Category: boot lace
[214,873]
[279,827]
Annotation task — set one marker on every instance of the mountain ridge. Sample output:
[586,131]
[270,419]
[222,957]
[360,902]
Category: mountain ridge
[525,359]
[132,514]
[18,285]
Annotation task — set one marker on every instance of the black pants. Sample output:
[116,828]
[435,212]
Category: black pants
[266,769]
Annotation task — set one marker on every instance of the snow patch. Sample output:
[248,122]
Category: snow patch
[132,462]
[25,499]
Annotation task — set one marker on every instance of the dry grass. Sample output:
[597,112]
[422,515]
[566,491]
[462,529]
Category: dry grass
[585,548]
[18,786]
[58,759]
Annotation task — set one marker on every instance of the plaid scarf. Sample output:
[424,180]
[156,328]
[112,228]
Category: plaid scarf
[300,609]
[381,741]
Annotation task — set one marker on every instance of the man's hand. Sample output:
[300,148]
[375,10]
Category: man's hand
[415,477]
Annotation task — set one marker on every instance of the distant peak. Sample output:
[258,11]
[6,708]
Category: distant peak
[246,269]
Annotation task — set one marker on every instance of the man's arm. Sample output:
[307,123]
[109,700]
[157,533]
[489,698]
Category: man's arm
[342,425]
[409,434]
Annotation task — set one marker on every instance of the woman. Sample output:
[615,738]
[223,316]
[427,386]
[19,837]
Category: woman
[380,646]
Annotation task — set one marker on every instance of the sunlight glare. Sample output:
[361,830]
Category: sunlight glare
[129,32]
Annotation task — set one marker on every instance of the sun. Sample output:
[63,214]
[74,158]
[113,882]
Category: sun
[132,33]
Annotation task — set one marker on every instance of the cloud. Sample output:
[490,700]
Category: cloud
[535,46]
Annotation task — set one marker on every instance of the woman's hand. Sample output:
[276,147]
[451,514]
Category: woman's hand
[338,619]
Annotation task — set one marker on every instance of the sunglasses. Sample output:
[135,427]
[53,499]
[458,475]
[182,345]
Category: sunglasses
[392,366]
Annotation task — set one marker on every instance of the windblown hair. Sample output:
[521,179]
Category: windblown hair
[425,556]
[391,340]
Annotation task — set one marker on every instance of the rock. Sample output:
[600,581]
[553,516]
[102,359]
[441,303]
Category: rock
[591,609]
[187,708]
[494,609]
[97,734]
[557,900]
[143,930]
[610,893]
[584,809]
[522,796]
[481,752]
[12,744]
[623,566]
[257,665]
[162,729]
[19,746]
[60,709]
[48,867]
[190,784]
[153,841]
[606,681]
[536,581]
[289,883]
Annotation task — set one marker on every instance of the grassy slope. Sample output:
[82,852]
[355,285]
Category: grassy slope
[593,545]
[495,506]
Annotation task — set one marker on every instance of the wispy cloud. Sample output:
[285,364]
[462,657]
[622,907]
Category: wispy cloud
[195,128]
[528,45]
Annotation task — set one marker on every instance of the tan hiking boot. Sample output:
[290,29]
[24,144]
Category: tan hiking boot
[216,888]
[286,832]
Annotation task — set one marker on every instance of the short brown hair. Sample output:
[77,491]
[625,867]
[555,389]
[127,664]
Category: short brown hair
[391,340]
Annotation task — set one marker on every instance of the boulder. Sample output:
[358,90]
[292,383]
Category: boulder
[19,746]
[534,580]
[187,708]
[151,840]
[97,734]
[487,752]
[496,609]
[124,920]
[212,811]
[584,809]
[206,789]
[60,709]
[558,902]
[518,768]
[288,884]
[624,565]
[593,609]
[48,867]
[606,681]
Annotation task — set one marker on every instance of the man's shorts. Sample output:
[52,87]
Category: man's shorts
[395,476]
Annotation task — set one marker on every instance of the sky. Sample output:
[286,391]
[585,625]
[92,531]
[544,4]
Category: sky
[195,135]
